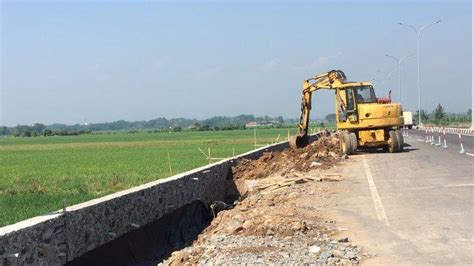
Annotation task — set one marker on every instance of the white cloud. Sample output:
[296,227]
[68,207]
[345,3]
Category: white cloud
[270,64]
[319,62]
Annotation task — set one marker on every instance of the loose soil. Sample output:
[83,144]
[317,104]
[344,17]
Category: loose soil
[280,217]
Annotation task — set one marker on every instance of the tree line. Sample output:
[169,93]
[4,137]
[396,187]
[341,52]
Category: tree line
[155,125]
[440,117]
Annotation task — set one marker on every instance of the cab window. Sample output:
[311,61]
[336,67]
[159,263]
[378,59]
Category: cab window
[350,100]
[365,94]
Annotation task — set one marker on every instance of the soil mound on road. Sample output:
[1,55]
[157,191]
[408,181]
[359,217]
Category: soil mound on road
[323,153]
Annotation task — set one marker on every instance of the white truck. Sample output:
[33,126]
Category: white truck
[408,117]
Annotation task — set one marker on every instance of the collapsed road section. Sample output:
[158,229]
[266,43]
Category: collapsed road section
[279,218]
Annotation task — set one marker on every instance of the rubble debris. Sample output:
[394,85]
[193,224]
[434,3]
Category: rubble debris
[279,219]
[218,206]
[314,249]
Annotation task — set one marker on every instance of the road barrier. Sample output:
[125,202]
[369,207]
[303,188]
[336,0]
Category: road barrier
[427,135]
[452,130]
[462,151]
[445,145]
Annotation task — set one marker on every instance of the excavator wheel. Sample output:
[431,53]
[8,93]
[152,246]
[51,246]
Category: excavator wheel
[299,141]
[353,140]
[392,142]
[345,143]
[400,140]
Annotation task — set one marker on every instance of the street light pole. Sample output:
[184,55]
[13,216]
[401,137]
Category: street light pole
[418,32]
[389,74]
[399,61]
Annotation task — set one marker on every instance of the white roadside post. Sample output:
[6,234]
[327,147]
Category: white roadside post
[462,151]
[445,146]
[439,137]
[432,136]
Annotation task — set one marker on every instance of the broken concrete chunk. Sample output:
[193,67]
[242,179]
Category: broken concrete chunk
[314,249]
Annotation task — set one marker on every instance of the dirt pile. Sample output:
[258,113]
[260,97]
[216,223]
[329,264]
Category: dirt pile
[281,218]
[323,153]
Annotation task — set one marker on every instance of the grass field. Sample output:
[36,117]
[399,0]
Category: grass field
[40,174]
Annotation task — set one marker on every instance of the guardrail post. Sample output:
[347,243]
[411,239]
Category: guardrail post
[439,137]
[462,151]
[445,146]
[432,136]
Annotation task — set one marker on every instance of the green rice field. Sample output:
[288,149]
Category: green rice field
[41,174]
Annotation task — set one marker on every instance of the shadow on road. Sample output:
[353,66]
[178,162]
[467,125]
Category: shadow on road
[406,148]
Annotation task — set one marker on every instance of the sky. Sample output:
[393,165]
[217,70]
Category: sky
[97,61]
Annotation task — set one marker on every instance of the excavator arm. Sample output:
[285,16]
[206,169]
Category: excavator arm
[321,81]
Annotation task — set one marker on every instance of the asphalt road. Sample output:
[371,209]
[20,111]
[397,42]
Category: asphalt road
[410,208]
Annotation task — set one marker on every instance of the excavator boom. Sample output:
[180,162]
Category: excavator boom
[321,81]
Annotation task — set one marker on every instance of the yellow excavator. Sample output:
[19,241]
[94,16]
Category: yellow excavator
[363,120]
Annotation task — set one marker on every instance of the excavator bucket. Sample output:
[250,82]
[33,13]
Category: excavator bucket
[299,141]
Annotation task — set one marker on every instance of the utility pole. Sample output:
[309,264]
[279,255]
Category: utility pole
[399,61]
[388,74]
[418,32]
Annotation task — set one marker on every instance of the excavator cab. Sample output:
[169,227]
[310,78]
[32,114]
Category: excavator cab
[349,100]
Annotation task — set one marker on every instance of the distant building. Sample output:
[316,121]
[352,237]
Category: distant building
[251,124]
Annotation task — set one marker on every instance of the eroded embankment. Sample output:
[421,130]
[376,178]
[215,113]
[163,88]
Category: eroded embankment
[280,217]
[153,242]
[277,217]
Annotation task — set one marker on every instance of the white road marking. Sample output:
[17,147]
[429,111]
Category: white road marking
[375,195]
[460,185]
[470,154]
[422,140]
[443,186]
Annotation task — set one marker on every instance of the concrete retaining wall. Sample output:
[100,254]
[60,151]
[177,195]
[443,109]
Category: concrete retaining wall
[62,236]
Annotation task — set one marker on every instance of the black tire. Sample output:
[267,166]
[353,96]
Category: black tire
[400,140]
[353,140]
[410,126]
[345,143]
[392,142]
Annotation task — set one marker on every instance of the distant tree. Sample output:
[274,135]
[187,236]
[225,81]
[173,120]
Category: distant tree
[424,116]
[38,129]
[4,131]
[469,113]
[47,132]
[280,119]
[439,113]
[21,131]
[330,117]
[196,126]
[177,129]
